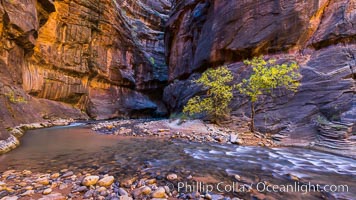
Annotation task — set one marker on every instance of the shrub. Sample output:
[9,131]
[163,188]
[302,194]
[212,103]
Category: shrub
[218,97]
[267,75]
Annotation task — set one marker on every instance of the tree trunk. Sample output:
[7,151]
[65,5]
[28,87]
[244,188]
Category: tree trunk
[252,127]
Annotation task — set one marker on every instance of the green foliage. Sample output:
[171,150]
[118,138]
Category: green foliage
[14,98]
[267,75]
[218,97]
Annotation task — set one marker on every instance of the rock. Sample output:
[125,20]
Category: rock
[316,47]
[172,177]
[233,138]
[151,181]
[22,184]
[293,177]
[43,181]
[106,181]
[10,198]
[125,197]
[26,172]
[146,190]
[168,190]
[28,193]
[67,174]
[159,193]
[81,189]
[90,180]
[29,187]
[55,175]
[47,83]
[88,194]
[122,192]
[47,191]
[237,177]
[63,186]
[53,196]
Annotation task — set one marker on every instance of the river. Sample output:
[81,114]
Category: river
[78,148]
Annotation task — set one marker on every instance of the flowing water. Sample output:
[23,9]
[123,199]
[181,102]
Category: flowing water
[78,148]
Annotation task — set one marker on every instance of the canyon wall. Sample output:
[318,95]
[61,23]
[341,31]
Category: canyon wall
[319,34]
[104,59]
[83,58]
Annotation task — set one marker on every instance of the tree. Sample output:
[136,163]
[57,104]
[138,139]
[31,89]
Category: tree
[218,97]
[267,75]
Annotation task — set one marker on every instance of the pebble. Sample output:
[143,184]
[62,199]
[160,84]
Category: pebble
[55,175]
[63,186]
[159,193]
[43,181]
[53,196]
[88,194]
[122,192]
[125,197]
[67,174]
[90,180]
[81,189]
[47,191]
[151,181]
[28,193]
[10,198]
[172,177]
[106,181]
[146,190]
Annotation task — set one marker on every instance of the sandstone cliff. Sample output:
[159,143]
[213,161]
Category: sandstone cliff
[319,34]
[105,59]
[74,59]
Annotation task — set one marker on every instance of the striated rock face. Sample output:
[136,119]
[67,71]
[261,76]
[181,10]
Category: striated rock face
[97,58]
[320,35]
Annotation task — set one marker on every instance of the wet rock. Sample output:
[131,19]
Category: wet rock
[89,194]
[159,193]
[63,186]
[10,198]
[125,197]
[67,174]
[237,177]
[106,181]
[234,138]
[81,189]
[90,180]
[55,175]
[47,191]
[122,192]
[151,181]
[53,196]
[26,172]
[43,181]
[172,177]
[293,177]
[146,190]
[28,193]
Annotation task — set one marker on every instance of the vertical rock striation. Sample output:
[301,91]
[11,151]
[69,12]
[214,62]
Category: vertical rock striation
[319,34]
[101,58]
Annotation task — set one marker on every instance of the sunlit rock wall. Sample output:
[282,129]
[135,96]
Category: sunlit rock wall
[74,59]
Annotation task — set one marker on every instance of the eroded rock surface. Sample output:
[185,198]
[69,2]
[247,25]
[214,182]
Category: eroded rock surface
[320,35]
[73,59]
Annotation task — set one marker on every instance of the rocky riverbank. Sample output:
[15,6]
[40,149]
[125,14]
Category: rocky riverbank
[18,131]
[188,130]
[67,184]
